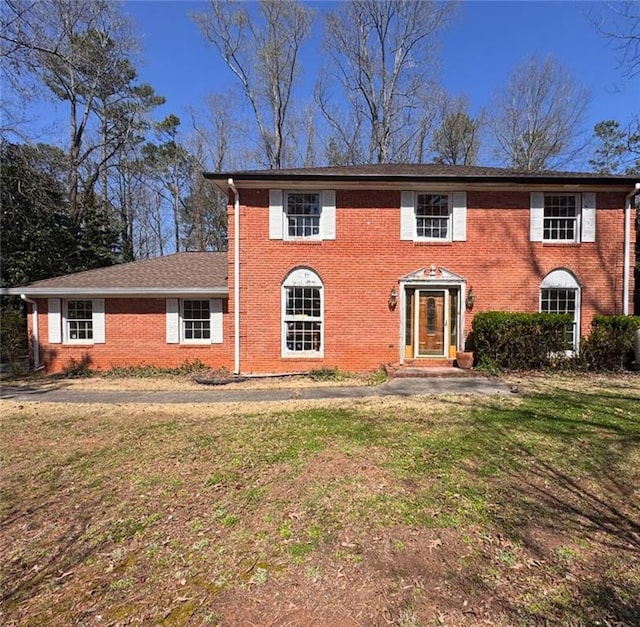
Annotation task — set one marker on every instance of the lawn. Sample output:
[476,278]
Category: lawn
[518,510]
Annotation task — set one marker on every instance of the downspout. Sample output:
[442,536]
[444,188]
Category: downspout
[36,339]
[627,248]
[236,277]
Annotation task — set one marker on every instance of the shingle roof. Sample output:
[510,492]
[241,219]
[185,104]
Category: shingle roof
[421,172]
[187,272]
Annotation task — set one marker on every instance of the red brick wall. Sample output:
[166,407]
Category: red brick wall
[365,261]
[135,333]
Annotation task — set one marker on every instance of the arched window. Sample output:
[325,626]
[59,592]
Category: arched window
[560,293]
[302,314]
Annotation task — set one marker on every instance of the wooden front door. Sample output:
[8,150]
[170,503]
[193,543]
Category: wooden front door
[431,323]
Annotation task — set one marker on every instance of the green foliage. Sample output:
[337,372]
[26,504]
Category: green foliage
[13,338]
[617,149]
[518,341]
[609,347]
[327,374]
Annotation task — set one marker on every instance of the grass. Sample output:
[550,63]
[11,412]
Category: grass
[518,510]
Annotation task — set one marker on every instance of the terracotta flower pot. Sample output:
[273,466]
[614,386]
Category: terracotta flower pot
[464,359]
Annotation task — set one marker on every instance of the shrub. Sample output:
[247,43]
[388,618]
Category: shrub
[519,341]
[13,339]
[610,344]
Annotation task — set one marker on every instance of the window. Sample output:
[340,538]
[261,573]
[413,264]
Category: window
[196,320]
[560,293]
[433,217]
[76,321]
[79,320]
[560,217]
[302,306]
[302,215]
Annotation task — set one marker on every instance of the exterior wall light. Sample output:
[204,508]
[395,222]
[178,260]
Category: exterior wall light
[470,299]
[393,299]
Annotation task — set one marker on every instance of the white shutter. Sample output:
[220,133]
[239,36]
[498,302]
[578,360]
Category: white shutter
[459,215]
[536,219]
[407,216]
[215,310]
[173,321]
[276,217]
[328,214]
[54,321]
[588,217]
[98,320]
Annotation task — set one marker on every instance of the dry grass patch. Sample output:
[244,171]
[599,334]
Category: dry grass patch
[518,510]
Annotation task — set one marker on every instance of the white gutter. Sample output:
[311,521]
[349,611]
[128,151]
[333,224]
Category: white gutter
[96,292]
[36,339]
[236,277]
[626,270]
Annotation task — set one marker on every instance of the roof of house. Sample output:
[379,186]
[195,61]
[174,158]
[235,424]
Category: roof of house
[428,172]
[185,273]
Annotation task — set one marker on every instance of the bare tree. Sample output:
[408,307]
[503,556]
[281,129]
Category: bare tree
[457,139]
[381,51]
[620,23]
[537,118]
[76,49]
[263,52]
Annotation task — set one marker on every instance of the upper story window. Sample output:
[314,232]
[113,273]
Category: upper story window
[433,217]
[559,218]
[304,215]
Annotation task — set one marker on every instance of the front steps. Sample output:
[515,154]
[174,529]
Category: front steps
[440,368]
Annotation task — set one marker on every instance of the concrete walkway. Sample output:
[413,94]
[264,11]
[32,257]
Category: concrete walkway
[218,394]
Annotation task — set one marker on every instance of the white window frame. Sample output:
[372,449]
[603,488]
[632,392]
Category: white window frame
[585,219]
[67,322]
[448,217]
[575,219]
[317,219]
[58,322]
[183,322]
[456,218]
[563,280]
[278,215]
[302,278]
[175,321]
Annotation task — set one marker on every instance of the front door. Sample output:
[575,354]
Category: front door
[430,321]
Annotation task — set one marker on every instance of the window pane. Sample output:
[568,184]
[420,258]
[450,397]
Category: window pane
[303,319]
[561,301]
[560,215]
[80,319]
[196,320]
[432,216]
[303,215]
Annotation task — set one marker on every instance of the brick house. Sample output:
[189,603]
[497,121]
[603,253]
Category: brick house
[355,267]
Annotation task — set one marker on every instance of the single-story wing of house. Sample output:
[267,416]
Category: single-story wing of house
[353,267]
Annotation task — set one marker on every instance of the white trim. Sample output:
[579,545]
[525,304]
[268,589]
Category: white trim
[113,292]
[536,217]
[588,217]
[301,278]
[458,213]
[54,320]
[65,323]
[98,321]
[276,214]
[173,321]
[561,279]
[328,214]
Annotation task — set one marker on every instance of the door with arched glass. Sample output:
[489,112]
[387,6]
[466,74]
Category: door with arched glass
[431,322]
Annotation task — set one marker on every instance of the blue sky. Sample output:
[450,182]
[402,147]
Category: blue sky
[478,52]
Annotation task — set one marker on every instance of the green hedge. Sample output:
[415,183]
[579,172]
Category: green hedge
[518,341]
[610,344]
